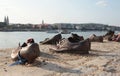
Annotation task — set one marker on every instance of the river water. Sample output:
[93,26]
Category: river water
[11,39]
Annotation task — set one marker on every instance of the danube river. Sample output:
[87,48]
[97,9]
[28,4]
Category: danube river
[11,39]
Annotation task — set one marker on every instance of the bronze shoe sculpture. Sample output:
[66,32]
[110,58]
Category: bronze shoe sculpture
[81,47]
[27,53]
[94,38]
[75,38]
[53,40]
[108,36]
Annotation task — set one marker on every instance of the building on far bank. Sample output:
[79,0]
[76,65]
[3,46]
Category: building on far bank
[6,20]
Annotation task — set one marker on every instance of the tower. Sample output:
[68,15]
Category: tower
[7,20]
[42,22]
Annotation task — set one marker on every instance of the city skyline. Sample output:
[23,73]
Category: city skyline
[61,11]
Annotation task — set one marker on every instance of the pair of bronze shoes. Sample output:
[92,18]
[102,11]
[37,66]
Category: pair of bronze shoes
[28,52]
[73,44]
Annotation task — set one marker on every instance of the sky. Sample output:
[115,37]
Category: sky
[61,11]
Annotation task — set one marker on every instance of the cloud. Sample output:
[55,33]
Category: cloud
[102,3]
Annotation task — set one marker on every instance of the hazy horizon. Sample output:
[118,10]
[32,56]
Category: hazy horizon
[61,11]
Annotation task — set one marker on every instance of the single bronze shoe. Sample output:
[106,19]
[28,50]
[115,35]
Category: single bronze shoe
[94,38]
[53,40]
[75,38]
[109,35]
[81,47]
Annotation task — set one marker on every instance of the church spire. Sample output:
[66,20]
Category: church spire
[42,22]
[7,20]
